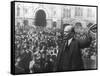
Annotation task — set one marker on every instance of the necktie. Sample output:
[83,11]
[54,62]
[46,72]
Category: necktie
[67,44]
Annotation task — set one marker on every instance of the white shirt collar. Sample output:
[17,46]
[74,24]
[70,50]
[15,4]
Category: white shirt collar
[69,41]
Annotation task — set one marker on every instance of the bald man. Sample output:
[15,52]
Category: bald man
[70,58]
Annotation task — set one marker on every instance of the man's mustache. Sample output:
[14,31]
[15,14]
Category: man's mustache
[68,36]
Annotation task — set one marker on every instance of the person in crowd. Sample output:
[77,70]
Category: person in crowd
[32,64]
[82,35]
[30,40]
[18,68]
[25,61]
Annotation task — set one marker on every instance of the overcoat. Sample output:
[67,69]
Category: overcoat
[71,58]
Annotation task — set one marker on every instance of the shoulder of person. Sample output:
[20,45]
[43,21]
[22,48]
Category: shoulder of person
[75,41]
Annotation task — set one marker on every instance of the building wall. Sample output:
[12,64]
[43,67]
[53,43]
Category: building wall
[58,13]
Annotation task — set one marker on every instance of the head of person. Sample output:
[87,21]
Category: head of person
[69,31]
[78,27]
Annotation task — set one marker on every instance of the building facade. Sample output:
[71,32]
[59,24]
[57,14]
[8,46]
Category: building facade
[26,14]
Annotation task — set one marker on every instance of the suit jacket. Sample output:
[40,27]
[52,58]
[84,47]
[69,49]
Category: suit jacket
[71,58]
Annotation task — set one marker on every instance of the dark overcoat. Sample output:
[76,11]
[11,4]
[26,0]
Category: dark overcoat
[70,58]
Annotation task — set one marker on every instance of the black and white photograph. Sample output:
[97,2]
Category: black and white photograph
[53,37]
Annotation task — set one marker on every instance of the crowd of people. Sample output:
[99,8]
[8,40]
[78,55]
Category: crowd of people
[36,49]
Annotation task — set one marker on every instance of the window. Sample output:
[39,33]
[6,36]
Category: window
[18,11]
[78,12]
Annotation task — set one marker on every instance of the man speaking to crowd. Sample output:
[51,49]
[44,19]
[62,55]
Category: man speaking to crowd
[71,57]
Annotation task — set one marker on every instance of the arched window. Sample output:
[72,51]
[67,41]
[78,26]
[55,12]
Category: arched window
[40,18]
